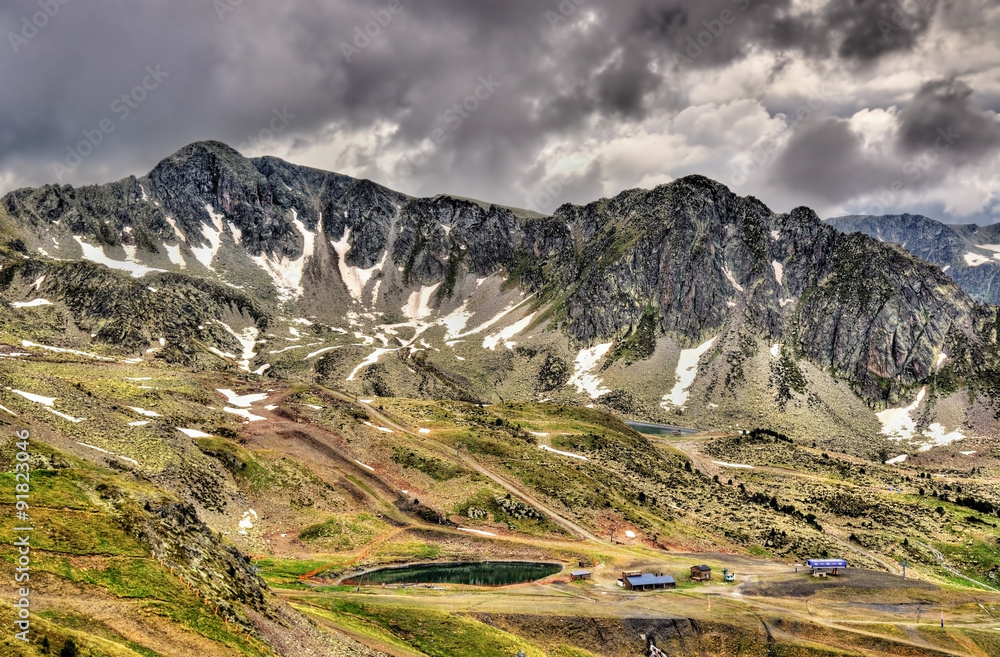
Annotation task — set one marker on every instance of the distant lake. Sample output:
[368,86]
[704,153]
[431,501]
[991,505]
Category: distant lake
[659,429]
[483,573]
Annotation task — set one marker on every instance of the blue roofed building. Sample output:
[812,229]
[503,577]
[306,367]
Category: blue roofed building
[647,581]
[824,566]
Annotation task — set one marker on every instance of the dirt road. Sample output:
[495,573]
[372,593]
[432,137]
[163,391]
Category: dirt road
[513,489]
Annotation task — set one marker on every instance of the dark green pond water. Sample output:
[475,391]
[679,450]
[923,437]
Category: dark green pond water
[659,429]
[485,573]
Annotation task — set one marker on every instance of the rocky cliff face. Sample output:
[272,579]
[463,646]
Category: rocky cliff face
[229,254]
[969,254]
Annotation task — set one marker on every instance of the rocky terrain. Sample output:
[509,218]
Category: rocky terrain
[247,379]
[788,321]
[969,254]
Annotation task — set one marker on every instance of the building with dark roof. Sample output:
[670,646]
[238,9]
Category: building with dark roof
[579,574]
[701,573]
[647,581]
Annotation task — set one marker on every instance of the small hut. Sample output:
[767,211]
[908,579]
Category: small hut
[701,573]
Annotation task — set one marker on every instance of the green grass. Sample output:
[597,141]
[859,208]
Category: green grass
[344,531]
[196,617]
[358,624]
[435,468]
[431,631]
[53,488]
[78,540]
[79,622]
[396,551]
[283,573]
[245,467]
[123,577]
[73,532]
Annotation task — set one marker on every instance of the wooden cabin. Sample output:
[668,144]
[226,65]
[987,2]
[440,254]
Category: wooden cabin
[701,573]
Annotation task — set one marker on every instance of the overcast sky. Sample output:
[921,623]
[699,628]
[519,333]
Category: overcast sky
[868,106]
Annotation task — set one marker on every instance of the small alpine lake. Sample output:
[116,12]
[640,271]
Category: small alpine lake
[660,429]
[480,573]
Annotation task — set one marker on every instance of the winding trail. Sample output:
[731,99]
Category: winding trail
[690,450]
[941,562]
[514,489]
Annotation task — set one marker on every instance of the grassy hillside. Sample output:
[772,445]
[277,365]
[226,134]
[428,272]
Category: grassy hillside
[232,538]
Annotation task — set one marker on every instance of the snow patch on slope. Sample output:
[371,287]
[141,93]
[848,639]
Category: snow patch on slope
[61,350]
[354,278]
[897,423]
[174,254]
[241,400]
[569,454]
[242,412]
[455,321]
[286,273]
[371,359]
[248,338]
[194,433]
[731,278]
[31,304]
[687,370]
[974,259]
[96,254]
[418,304]
[205,254]
[938,436]
[504,335]
[30,396]
[142,411]
[583,365]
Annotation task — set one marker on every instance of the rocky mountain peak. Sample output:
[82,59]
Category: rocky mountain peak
[645,279]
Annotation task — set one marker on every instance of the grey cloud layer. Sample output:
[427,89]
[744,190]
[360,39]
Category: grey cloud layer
[566,71]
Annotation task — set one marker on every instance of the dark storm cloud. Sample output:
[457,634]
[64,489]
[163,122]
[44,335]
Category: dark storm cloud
[565,70]
[825,161]
[869,29]
[943,111]
[937,131]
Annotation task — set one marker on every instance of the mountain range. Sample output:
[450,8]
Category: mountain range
[969,253]
[246,385]
[685,303]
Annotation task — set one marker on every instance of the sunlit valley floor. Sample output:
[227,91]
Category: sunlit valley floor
[301,485]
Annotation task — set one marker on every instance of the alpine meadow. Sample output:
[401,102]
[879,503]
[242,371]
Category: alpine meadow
[440,328]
